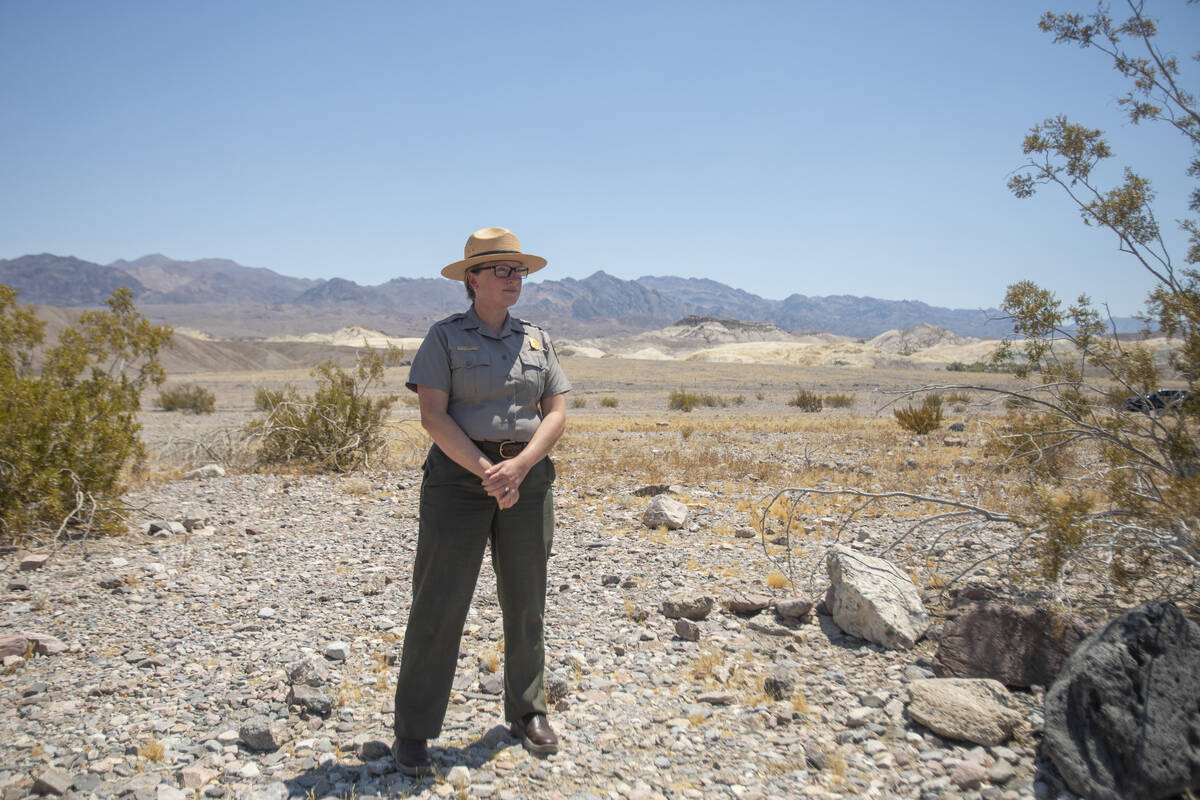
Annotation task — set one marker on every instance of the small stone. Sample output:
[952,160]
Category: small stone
[793,607]
[337,651]
[52,781]
[259,734]
[969,775]
[687,630]
[459,777]
[310,698]
[195,777]
[266,612]
[688,605]
[206,471]
[34,561]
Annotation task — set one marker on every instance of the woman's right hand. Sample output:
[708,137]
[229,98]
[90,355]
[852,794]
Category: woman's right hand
[506,499]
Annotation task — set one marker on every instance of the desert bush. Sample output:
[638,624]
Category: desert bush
[578,401]
[1002,366]
[339,428]
[683,400]
[921,419]
[807,401]
[609,402]
[69,429]
[839,400]
[959,398]
[189,398]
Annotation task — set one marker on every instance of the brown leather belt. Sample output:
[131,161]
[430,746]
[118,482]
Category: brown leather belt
[499,451]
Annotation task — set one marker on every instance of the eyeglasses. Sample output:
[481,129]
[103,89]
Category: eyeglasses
[504,270]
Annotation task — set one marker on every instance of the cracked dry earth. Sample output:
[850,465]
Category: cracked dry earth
[177,642]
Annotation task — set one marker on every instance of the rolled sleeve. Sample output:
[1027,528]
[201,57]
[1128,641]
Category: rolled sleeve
[556,379]
[431,365]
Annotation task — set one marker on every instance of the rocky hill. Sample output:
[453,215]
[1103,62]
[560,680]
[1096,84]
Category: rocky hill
[228,300]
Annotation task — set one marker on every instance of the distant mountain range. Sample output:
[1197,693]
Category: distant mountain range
[228,300]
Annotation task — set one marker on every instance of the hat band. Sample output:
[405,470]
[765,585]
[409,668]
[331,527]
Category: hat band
[497,253]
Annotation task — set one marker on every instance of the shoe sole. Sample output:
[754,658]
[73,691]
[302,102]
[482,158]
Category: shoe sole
[415,772]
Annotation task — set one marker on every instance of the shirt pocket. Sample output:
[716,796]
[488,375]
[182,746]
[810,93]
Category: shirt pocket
[469,371]
[533,368]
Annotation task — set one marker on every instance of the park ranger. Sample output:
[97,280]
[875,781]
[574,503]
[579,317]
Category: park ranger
[492,397]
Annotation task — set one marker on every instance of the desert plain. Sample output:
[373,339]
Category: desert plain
[183,652]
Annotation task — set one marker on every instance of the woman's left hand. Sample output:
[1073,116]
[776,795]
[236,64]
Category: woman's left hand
[504,479]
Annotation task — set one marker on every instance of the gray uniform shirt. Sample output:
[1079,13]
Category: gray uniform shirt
[495,382]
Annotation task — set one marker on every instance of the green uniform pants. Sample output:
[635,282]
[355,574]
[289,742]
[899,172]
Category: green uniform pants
[458,519]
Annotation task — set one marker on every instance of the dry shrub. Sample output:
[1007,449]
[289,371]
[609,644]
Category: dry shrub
[807,401]
[921,419]
[188,398]
[339,428]
[839,400]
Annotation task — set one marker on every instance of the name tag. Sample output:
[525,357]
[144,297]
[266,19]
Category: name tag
[467,347]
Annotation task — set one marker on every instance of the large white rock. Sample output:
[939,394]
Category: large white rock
[873,600]
[969,709]
[662,510]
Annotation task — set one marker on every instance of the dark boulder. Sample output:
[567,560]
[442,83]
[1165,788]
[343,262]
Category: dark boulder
[1016,645]
[1123,717]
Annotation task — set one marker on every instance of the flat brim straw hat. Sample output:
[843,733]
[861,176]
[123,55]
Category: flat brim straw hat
[491,244]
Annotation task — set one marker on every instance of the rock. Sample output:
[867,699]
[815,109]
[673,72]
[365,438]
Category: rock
[311,671]
[165,527]
[52,781]
[687,605]
[492,683]
[19,584]
[663,510]
[556,687]
[780,682]
[372,749]
[258,733]
[207,471]
[954,441]
[873,600]
[687,630]
[746,603]
[196,777]
[652,490]
[34,561]
[13,644]
[459,777]
[716,698]
[337,651]
[969,775]
[745,533]
[793,607]
[46,645]
[976,710]
[1123,717]
[266,612]
[958,427]
[1016,645]
[310,698]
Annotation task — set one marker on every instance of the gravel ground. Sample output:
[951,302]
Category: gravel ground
[181,650]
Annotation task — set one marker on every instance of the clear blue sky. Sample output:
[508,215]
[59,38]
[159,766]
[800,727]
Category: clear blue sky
[821,148]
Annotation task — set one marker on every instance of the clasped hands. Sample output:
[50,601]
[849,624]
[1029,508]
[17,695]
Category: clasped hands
[502,481]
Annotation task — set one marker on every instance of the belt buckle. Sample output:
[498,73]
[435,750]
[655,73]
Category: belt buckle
[500,449]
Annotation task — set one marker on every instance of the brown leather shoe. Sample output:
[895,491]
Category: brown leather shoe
[536,734]
[412,757]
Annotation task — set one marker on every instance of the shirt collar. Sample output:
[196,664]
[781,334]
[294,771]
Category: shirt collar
[510,324]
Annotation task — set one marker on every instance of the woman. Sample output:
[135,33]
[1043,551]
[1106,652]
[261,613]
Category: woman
[492,397]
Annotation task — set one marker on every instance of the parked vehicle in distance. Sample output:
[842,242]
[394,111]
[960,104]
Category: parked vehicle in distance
[1163,398]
